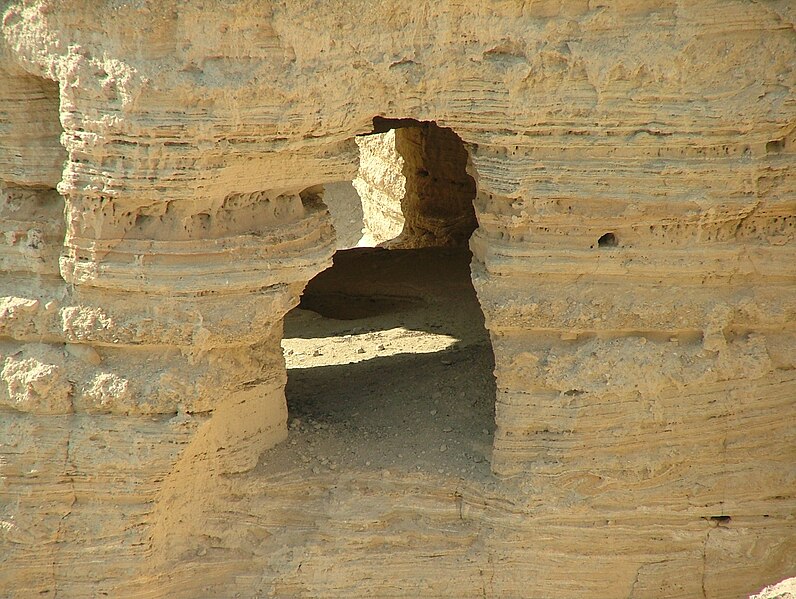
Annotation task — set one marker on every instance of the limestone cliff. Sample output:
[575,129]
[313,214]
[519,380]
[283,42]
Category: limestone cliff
[161,173]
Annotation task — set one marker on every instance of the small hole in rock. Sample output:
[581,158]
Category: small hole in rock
[775,146]
[607,240]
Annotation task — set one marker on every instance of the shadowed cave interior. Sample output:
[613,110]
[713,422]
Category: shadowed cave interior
[389,363]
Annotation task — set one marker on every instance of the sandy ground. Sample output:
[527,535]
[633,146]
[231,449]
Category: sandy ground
[389,368]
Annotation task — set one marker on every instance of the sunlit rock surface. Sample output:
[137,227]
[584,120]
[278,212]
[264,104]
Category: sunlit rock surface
[161,173]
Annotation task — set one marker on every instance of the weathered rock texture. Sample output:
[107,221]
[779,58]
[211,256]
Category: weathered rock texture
[646,384]
[381,185]
[414,187]
[345,209]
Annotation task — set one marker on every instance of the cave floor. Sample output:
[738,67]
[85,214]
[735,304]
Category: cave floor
[379,487]
[389,368]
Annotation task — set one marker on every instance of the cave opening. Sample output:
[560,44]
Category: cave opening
[389,364]
[607,240]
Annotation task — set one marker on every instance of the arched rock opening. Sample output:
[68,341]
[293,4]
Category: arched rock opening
[380,342]
[644,390]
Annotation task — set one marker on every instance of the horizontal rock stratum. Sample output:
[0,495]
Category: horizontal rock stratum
[161,209]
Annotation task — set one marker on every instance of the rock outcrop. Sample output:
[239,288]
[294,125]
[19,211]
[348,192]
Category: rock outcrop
[161,173]
[414,187]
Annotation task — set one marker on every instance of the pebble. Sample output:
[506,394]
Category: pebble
[433,412]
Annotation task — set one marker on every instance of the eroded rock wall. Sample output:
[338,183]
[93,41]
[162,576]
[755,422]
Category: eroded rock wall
[345,209]
[414,187]
[438,203]
[381,185]
[646,386]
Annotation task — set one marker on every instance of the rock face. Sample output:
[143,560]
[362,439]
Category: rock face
[381,186]
[414,187]
[345,209]
[161,210]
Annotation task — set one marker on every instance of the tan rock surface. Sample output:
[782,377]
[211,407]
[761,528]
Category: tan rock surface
[161,173]
[414,187]
[345,209]
[381,185]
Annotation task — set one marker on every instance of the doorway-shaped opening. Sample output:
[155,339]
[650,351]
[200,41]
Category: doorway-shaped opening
[389,364]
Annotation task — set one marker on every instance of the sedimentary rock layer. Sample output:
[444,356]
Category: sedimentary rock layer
[634,259]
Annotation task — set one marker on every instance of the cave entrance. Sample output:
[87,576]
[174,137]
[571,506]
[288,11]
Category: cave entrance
[389,364]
